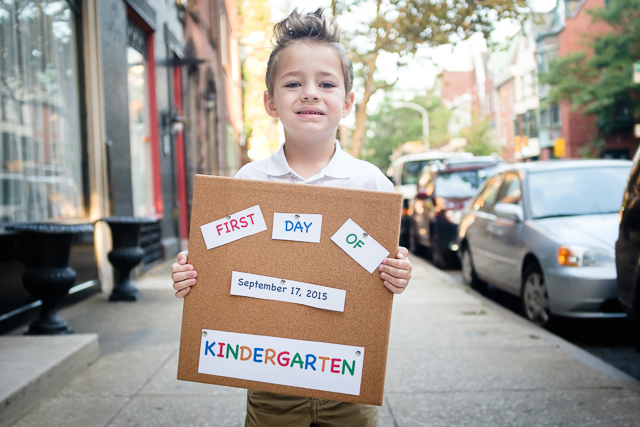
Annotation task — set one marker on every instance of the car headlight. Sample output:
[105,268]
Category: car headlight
[453,217]
[580,256]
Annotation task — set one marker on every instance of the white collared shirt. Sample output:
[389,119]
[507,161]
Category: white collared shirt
[342,171]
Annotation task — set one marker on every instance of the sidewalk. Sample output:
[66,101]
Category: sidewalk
[455,359]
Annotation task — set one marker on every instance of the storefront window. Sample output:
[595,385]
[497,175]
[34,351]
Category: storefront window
[40,155]
[139,137]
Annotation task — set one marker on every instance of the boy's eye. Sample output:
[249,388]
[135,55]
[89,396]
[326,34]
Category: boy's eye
[293,84]
[327,85]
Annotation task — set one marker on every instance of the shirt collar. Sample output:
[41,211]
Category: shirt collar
[337,168]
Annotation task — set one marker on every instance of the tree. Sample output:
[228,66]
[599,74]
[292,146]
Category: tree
[480,136]
[602,83]
[390,127]
[399,27]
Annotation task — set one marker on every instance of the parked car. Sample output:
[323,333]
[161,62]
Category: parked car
[545,231]
[628,250]
[442,192]
[403,173]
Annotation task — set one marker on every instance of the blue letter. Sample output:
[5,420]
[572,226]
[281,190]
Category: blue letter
[308,225]
[309,363]
[209,348]
[298,225]
[256,355]
[286,225]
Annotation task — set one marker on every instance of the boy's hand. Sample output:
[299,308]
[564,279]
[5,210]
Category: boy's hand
[183,275]
[396,272]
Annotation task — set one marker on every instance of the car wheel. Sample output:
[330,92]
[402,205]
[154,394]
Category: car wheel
[437,252]
[468,272]
[535,298]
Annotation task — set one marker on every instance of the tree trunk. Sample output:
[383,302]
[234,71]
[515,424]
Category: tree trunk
[357,139]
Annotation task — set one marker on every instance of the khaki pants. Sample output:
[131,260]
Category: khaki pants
[281,410]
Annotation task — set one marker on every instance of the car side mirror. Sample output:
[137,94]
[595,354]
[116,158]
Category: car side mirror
[509,211]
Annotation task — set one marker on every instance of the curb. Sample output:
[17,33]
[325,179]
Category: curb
[34,367]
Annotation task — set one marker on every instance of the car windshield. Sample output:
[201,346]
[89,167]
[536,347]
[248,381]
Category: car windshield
[411,170]
[461,183]
[569,192]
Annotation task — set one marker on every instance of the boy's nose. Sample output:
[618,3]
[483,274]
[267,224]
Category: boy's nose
[309,95]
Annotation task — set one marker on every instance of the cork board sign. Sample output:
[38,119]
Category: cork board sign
[285,301]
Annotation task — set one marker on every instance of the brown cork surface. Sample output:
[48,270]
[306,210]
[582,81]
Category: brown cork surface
[366,318]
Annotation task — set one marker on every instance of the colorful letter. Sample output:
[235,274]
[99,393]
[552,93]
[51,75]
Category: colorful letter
[286,359]
[297,359]
[209,348]
[242,349]
[335,364]
[324,360]
[257,354]
[233,353]
[308,363]
[221,344]
[351,369]
[269,355]
[287,224]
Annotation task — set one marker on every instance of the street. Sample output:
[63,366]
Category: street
[607,339]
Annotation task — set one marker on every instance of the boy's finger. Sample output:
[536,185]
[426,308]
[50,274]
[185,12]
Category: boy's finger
[182,292]
[397,263]
[393,288]
[179,268]
[182,257]
[181,277]
[402,252]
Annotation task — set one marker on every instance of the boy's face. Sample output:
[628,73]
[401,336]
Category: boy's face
[309,91]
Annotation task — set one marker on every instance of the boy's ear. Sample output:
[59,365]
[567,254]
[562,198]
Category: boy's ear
[269,105]
[348,104]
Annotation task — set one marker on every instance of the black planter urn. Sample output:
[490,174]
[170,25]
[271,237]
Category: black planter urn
[45,250]
[126,254]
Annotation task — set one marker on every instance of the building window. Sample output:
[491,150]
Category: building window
[554,115]
[139,128]
[40,157]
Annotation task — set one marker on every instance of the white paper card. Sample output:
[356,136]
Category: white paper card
[234,227]
[276,289]
[297,227]
[359,245]
[307,364]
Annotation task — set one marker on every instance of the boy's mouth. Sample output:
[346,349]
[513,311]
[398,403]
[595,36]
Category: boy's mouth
[310,111]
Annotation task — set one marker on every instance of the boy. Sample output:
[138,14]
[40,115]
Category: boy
[309,78]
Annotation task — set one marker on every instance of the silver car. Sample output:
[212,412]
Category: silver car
[545,231]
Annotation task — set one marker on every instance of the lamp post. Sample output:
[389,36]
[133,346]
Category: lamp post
[425,118]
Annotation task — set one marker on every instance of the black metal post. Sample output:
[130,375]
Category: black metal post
[45,251]
[126,254]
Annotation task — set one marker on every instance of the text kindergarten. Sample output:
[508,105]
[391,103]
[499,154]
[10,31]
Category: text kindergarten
[307,364]
[276,289]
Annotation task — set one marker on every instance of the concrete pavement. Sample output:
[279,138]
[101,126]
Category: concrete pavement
[455,359]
